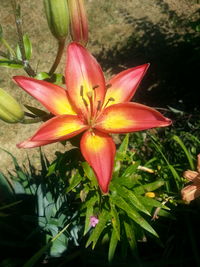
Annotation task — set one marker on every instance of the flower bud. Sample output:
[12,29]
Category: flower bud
[10,110]
[78,21]
[57,14]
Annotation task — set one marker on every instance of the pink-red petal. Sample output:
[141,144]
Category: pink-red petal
[59,128]
[122,87]
[51,96]
[84,79]
[130,117]
[30,144]
[99,151]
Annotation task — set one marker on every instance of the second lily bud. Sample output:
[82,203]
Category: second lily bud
[78,21]
[10,109]
[58,17]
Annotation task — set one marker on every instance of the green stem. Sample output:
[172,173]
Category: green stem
[61,46]
[18,23]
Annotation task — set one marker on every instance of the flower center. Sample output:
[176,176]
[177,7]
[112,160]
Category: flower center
[93,107]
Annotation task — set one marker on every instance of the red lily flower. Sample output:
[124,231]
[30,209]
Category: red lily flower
[91,106]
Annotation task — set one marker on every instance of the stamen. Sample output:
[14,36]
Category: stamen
[89,95]
[83,99]
[99,105]
[110,99]
[81,90]
[108,85]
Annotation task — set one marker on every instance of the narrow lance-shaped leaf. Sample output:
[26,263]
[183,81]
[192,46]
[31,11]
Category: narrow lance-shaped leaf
[130,234]
[112,245]
[89,212]
[130,197]
[76,179]
[142,189]
[27,47]
[115,220]
[133,214]
[10,64]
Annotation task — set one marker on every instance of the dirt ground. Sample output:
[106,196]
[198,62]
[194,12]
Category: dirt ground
[112,25]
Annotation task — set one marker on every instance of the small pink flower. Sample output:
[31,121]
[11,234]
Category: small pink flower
[93,221]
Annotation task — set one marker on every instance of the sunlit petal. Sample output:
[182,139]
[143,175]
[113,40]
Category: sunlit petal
[99,151]
[84,79]
[30,144]
[130,117]
[51,96]
[122,87]
[56,129]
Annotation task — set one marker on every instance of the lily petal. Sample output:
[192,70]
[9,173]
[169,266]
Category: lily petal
[30,144]
[122,87]
[84,79]
[99,151]
[51,96]
[59,128]
[130,117]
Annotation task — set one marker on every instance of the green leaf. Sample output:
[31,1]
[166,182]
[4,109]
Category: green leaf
[89,212]
[130,197]
[27,47]
[36,111]
[76,179]
[10,64]
[152,203]
[142,189]
[130,234]
[124,145]
[112,245]
[115,220]
[42,76]
[133,214]
[103,219]
[89,173]
[180,142]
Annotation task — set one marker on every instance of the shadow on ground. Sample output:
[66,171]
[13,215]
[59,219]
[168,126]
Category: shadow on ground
[173,76]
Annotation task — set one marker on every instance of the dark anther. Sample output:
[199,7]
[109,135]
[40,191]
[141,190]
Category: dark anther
[81,90]
[95,87]
[108,85]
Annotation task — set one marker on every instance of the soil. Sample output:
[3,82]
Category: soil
[122,34]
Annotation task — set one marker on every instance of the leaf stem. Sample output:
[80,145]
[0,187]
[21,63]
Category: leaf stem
[18,22]
[61,46]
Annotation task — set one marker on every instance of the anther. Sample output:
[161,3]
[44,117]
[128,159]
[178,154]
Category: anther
[81,90]
[108,85]
[109,99]
[95,87]
[99,105]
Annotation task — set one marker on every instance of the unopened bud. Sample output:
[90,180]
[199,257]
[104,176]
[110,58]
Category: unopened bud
[10,110]
[57,14]
[78,21]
